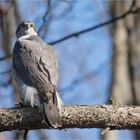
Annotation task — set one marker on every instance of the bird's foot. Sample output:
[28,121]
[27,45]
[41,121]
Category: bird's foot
[19,105]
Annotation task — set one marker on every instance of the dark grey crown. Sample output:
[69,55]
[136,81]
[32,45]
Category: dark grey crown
[24,24]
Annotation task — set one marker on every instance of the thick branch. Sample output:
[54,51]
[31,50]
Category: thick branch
[75,116]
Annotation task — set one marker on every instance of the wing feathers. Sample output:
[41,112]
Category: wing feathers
[37,66]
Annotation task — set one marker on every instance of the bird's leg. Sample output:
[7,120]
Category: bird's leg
[20,104]
[25,135]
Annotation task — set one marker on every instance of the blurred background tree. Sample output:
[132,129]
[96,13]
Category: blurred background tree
[94,65]
[126,59]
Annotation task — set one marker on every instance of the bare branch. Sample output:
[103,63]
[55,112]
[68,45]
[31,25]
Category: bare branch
[7,83]
[47,12]
[75,116]
[132,10]
[85,77]
[5,57]
[6,72]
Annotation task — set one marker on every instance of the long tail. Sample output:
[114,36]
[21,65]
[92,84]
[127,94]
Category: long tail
[51,111]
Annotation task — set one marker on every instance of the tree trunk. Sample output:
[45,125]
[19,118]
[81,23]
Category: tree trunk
[125,33]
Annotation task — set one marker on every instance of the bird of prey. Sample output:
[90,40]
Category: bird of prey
[35,71]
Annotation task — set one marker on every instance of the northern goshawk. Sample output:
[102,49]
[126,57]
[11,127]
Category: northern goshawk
[35,71]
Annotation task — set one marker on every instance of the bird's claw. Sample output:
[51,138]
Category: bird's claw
[19,105]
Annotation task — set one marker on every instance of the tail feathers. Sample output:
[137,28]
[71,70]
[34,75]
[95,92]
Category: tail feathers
[51,112]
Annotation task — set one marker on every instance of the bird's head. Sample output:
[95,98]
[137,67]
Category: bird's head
[25,28]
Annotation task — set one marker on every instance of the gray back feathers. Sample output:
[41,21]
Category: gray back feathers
[36,61]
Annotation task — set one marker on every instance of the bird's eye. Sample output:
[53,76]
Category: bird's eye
[31,25]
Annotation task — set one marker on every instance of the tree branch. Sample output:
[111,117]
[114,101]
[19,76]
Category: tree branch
[5,72]
[75,116]
[46,14]
[5,57]
[132,10]
[83,78]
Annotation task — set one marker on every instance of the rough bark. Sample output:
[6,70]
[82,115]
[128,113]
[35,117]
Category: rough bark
[75,116]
